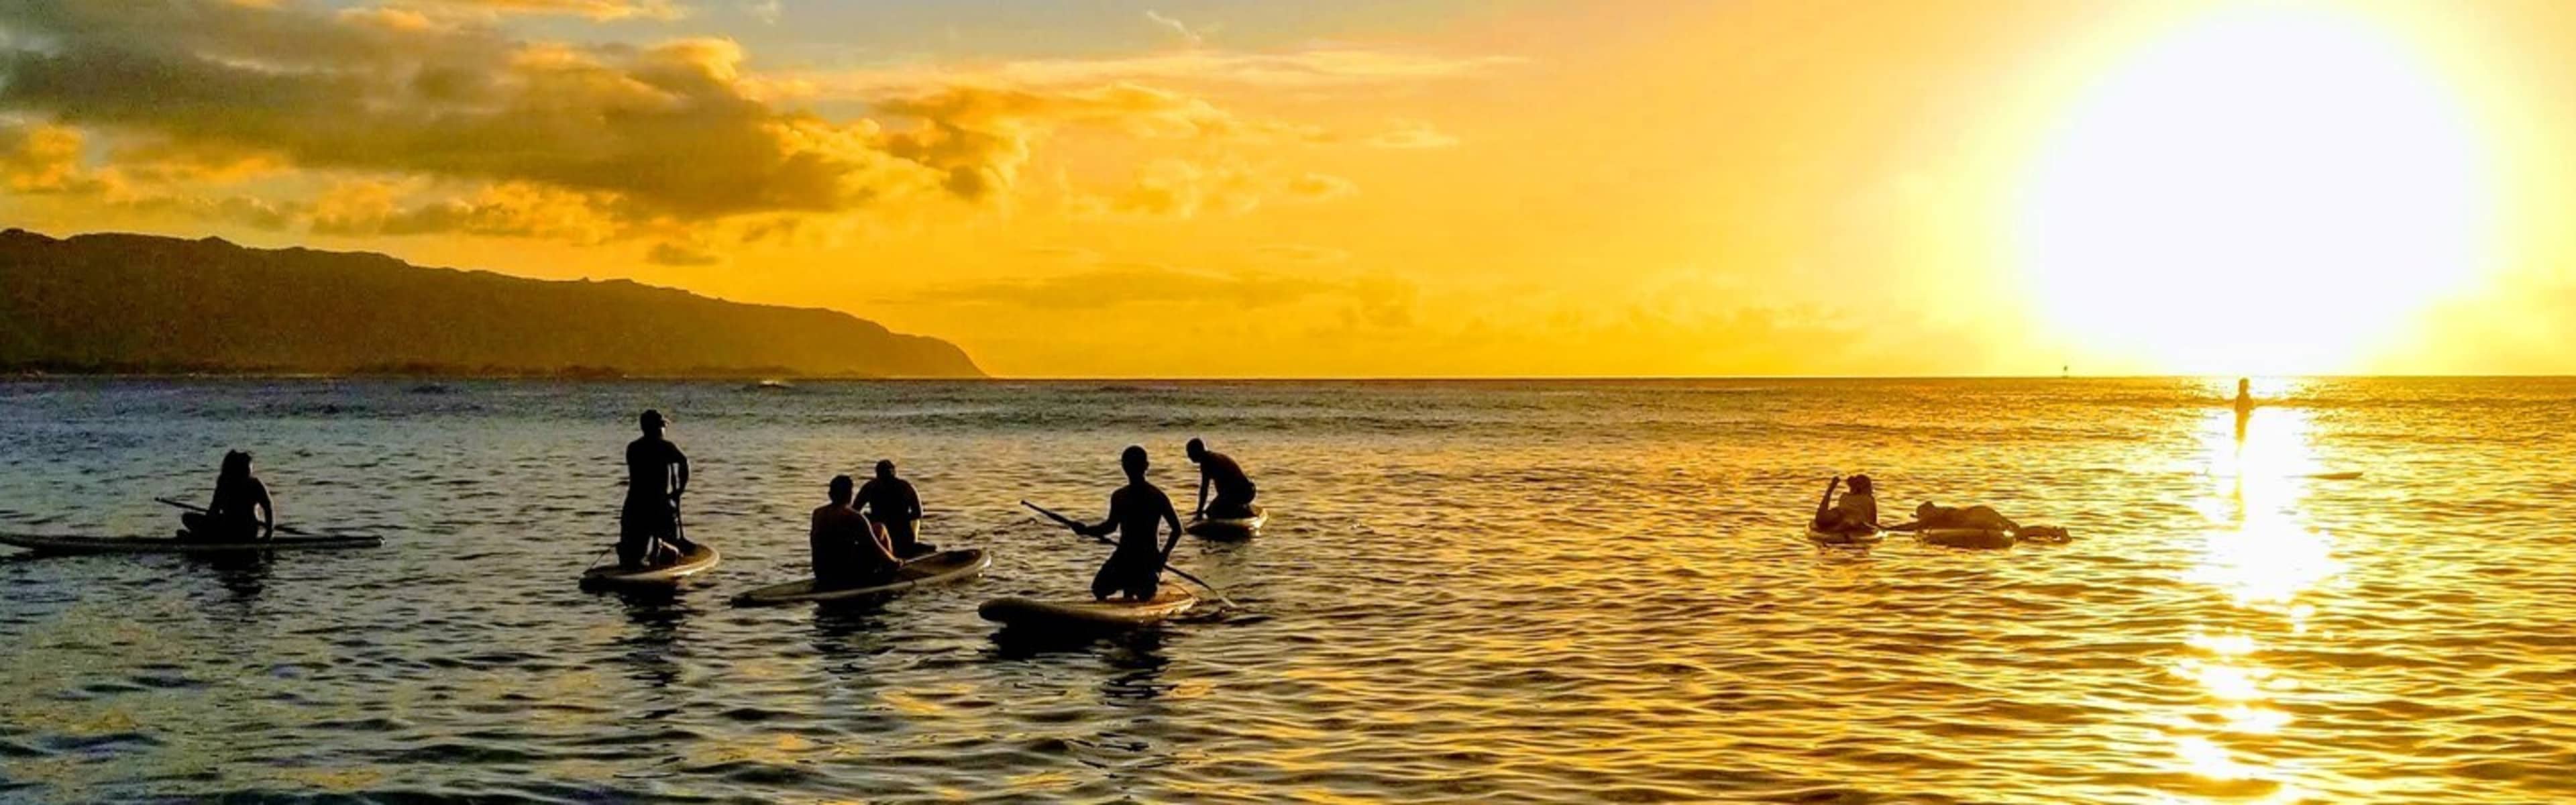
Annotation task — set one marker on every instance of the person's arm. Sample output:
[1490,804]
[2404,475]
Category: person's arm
[680,480]
[915,500]
[877,540]
[267,514]
[1827,502]
[1105,526]
[1174,518]
[1200,509]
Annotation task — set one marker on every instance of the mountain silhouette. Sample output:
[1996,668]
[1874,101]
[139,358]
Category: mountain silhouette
[139,303]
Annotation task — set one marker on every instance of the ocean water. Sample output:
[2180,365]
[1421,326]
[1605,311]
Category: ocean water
[1483,591]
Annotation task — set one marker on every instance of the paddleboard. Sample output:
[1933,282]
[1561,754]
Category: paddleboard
[1230,527]
[1978,538]
[69,545]
[1846,539]
[695,562]
[939,568]
[1169,602]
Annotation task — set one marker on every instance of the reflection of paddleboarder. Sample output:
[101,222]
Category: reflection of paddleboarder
[657,473]
[2244,405]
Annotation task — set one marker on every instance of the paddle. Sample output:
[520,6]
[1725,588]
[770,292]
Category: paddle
[1069,522]
[284,529]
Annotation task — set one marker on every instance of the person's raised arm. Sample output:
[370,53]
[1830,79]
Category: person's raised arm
[1827,502]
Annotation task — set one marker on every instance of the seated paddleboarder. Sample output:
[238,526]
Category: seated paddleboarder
[229,515]
[892,504]
[847,551]
[1135,569]
[657,473]
[1932,515]
[1857,512]
[1234,490]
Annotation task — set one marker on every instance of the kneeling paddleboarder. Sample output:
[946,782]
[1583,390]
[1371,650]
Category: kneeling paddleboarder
[1234,489]
[1135,569]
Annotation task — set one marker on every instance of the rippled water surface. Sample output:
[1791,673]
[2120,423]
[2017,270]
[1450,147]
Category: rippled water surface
[1473,591]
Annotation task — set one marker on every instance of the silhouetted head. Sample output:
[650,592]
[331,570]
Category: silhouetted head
[1925,511]
[1133,460]
[1859,483]
[1196,449]
[2244,385]
[885,469]
[840,490]
[236,464]
[651,422]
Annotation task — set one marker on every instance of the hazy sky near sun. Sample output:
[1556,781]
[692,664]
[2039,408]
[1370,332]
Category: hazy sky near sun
[1406,187]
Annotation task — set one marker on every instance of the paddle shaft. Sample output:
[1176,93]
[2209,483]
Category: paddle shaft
[283,529]
[1076,525]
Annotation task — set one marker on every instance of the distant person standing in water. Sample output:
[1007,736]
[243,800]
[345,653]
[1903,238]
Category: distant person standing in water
[2244,405]
[847,551]
[657,474]
[892,503]
[1234,490]
[228,516]
[1856,512]
[1135,569]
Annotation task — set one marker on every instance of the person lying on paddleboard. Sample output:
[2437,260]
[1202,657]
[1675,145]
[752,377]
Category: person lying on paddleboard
[1135,569]
[1932,515]
[229,515]
[847,550]
[1234,490]
[657,473]
[1856,512]
[891,502]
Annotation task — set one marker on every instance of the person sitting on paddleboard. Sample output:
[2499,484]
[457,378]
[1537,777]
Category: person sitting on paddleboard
[847,550]
[1135,569]
[657,473]
[1856,512]
[1234,490]
[892,503]
[228,517]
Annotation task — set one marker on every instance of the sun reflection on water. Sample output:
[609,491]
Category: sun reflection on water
[2264,556]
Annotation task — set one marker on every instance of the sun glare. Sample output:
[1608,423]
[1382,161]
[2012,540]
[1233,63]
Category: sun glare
[2267,190]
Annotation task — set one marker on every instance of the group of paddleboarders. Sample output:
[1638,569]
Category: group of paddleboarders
[862,535]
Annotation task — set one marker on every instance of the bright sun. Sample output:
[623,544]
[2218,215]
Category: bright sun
[2269,190]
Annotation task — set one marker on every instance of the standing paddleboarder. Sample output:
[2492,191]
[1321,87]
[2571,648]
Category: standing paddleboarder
[1135,569]
[657,473]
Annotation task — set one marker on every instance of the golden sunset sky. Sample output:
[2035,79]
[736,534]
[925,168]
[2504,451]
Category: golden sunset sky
[1392,188]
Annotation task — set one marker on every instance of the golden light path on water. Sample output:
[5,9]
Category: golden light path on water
[2261,553]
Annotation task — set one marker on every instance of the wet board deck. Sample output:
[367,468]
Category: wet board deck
[70,544]
[945,567]
[1230,527]
[1171,601]
[697,561]
[1846,539]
